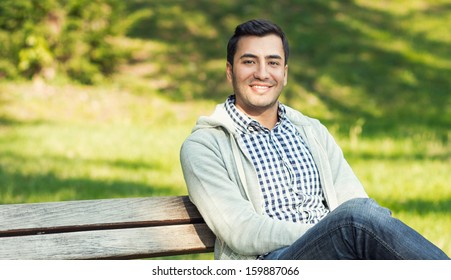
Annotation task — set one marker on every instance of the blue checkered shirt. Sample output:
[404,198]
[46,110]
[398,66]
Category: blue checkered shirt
[287,173]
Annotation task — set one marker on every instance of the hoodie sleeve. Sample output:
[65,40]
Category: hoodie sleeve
[211,177]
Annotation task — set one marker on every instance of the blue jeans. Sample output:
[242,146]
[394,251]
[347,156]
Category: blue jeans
[359,229]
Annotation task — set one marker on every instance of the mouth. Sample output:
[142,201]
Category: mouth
[260,87]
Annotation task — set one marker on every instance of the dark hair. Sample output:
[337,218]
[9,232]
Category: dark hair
[255,27]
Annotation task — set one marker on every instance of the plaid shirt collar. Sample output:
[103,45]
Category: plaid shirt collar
[245,124]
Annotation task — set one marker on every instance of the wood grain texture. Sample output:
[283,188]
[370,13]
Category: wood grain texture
[109,244]
[96,214]
[103,229]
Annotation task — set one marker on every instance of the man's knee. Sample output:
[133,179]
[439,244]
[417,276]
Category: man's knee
[364,210]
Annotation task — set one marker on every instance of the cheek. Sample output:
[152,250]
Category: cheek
[281,77]
[243,74]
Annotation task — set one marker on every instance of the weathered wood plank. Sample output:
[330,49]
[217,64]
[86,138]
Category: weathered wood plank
[95,214]
[105,244]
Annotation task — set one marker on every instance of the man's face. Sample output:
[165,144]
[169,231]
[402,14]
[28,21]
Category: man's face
[258,74]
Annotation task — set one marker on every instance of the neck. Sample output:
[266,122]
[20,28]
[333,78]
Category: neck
[267,118]
[269,123]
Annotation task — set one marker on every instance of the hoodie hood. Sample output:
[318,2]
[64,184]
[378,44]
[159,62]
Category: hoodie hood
[219,118]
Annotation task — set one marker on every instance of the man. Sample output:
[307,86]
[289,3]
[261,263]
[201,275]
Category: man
[272,183]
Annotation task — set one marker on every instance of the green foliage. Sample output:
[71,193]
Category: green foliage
[35,55]
[44,37]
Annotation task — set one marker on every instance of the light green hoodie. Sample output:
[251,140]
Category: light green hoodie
[222,183]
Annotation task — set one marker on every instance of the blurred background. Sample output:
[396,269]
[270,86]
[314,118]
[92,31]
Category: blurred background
[96,96]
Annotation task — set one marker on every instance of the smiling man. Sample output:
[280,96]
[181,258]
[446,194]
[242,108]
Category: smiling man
[272,183]
[258,74]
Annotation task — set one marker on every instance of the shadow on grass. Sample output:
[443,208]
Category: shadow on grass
[6,121]
[23,188]
[415,156]
[358,60]
[419,206]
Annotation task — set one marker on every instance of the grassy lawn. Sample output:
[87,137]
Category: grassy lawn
[81,143]
[73,142]
[416,191]
[375,72]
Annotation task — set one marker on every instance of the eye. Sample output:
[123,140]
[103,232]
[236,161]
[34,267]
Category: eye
[248,61]
[274,63]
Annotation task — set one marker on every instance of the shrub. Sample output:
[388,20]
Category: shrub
[69,37]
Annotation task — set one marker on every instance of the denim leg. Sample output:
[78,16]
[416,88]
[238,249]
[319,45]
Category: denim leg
[360,229]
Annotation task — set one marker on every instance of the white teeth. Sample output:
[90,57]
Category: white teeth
[260,86]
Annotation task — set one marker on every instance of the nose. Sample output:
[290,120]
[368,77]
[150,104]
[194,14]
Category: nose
[261,72]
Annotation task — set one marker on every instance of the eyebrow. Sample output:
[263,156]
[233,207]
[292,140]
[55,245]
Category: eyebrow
[272,56]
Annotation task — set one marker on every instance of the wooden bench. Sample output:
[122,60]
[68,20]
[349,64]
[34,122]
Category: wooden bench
[103,229]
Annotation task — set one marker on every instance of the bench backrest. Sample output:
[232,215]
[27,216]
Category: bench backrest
[103,229]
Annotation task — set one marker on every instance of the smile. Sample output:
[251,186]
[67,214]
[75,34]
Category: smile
[260,88]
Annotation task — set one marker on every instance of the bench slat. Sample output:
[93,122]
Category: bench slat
[107,244]
[54,217]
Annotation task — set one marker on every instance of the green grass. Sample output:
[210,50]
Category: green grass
[375,72]
[73,142]
[89,143]
[416,191]
[410,176]
[62,143]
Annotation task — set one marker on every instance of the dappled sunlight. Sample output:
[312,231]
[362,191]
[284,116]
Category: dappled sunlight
[376,73]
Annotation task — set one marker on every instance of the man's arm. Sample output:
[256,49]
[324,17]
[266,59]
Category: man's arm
[346,184]
[211,178]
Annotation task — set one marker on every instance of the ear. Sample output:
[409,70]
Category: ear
[285,79]
[229,71]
